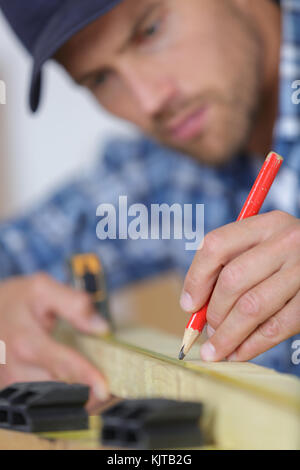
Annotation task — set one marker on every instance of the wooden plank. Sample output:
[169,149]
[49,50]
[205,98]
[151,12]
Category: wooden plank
[251,407]
[77,440]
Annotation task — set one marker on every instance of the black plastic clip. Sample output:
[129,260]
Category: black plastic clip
[152,424]
[44,407]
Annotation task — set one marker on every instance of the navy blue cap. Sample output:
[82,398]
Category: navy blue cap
[44,26]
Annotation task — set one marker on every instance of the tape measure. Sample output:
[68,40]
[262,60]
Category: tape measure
[86,272]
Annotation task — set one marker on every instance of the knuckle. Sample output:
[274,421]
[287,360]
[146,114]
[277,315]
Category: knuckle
[212,244]
[279,215]
[230,277]
[270,329]
[249,304]
[293,235]
[39,283]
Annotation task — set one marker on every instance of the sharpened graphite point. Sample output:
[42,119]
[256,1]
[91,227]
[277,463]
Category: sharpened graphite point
[181,354]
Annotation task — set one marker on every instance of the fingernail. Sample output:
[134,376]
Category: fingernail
[101,392]
[232,357]
[186,302]
[98,324]
[210,331]
[208,352]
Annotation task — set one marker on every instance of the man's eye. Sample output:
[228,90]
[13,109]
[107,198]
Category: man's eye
[148,32]
[151,30]
[100,79]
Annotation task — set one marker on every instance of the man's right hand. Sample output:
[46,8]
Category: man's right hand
[29,308]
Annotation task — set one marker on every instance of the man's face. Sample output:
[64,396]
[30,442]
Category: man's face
[187,72]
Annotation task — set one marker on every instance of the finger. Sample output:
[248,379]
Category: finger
[251,310]
[243,273]
[43,358]
[24,373]
[285,324]
[220,247]
[210,331]
[49,296]
[67,365]
[18,372]
[99,409]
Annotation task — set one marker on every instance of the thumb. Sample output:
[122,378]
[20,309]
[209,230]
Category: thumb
[51,297]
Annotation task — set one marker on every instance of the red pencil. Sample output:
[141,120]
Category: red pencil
[252,207]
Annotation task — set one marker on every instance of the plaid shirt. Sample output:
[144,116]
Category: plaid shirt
[150,174]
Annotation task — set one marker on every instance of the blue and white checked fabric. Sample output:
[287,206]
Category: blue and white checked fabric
[150,174]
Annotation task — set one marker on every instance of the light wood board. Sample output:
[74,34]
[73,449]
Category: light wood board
[250,406]
[76,440]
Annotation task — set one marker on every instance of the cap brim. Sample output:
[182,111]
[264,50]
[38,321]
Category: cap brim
[73,16]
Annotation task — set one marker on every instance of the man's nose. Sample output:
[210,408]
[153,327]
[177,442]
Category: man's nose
[152,89]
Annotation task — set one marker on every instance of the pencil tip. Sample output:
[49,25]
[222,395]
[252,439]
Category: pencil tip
[181,354]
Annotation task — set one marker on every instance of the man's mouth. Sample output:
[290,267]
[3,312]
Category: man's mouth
[189,126]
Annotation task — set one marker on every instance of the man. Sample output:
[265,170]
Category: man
[204,78]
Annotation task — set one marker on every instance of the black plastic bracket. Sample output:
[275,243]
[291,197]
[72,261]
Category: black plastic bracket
[152,424]
[44,407]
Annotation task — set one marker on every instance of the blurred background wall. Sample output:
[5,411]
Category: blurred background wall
[40,152]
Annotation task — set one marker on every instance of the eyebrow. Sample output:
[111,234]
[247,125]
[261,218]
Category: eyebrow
[139,21]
